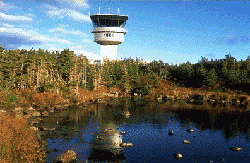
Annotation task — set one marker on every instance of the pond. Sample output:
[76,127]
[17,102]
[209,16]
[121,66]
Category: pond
[95,136]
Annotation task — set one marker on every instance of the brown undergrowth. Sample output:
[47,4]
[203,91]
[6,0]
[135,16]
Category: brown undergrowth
[169,89]
[18,142]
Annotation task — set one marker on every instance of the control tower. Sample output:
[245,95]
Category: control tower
[108,30]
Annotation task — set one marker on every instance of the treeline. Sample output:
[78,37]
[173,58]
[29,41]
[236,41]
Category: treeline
[220,74]
[43,71]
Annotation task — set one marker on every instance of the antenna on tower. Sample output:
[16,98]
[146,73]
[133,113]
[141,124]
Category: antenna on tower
[89,13]
[118,11]
[99,10]
[109,10]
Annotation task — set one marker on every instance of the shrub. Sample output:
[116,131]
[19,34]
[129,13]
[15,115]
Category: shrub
[9,99]
[18,142]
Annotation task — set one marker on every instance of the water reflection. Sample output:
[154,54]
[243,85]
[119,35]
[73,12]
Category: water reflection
[147,127]
[106,144]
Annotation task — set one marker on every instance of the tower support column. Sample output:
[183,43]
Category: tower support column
[109,51]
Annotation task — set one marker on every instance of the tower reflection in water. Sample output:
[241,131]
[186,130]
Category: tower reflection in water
[106,143]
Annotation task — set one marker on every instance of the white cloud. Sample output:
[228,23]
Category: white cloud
[14,18]
[15,37]
[30,15]
[78,50]
[6,25]
[75,15]
[74,3]
[64,31]
[64,41]
[48,6]
[6,7]
[79,16]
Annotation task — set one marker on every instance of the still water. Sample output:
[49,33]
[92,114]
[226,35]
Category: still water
[146,126]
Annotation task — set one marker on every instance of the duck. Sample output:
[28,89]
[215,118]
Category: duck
[237,149]
[186,142]
[190,130]
[171,131]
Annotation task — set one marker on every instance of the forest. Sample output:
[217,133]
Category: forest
[42,71]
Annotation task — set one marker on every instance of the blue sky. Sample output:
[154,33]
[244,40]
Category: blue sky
[171,31]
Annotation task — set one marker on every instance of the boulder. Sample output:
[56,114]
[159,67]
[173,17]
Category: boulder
[18,110]
[34,128]
[36,114]
[3,111]
[66,157]
[31,109]
[34,121]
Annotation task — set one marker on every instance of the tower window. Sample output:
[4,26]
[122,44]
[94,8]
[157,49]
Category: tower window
[109,35]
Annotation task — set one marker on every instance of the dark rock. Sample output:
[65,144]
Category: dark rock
[237,149]
[171,132]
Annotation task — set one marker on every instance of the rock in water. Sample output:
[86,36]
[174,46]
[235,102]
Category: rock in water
[171,132]
[68,157]
[186,142]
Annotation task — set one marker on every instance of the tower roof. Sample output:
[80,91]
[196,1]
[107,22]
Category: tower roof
[109,16]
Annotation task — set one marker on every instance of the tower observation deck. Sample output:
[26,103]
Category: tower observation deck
[108,30]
